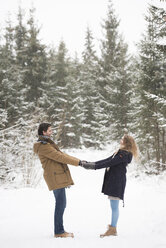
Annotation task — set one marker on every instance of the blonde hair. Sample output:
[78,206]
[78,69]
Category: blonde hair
[130,145]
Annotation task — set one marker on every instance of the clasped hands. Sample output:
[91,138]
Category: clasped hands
[87,165]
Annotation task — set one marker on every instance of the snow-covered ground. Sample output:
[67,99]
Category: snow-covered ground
[26,214]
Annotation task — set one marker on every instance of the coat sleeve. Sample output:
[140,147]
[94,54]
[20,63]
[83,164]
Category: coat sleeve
[111,161]
[49,152]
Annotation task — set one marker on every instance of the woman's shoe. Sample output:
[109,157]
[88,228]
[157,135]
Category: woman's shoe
[110,232]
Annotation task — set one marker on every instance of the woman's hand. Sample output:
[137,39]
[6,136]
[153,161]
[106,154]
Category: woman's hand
[87,165]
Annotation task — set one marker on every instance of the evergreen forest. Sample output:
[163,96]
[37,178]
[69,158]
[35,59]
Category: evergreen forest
[90,101]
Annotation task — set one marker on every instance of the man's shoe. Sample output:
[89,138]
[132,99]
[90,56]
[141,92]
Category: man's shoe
[64,235]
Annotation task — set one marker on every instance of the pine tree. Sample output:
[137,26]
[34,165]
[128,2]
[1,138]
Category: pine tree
[91,119]
[120,94]
[48,89]
[152,88]
[21,37]
[61,96]
[55,91]
[9,82]
[114,80]
[74,105]
[36,64]
[20,41]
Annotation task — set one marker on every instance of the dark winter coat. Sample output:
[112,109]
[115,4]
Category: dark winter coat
[54,163]
[115,175]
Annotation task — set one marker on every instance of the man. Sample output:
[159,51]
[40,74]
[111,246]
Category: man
[56,174]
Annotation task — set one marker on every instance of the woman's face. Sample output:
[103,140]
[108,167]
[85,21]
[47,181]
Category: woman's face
[121,141]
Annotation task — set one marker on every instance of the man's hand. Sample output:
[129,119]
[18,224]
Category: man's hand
[87,165]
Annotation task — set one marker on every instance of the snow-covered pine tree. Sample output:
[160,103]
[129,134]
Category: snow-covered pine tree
[55,94]
[74,104]
[161,45]
[91,111]
[35,63]
[9,78]
[152,87]
[23,46]
[15,140]
[61,96]
[135,97]
[120,94]
[20,42]
[114,77]
[21,37]
[47,100]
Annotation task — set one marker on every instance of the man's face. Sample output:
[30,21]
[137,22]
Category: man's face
[48,132]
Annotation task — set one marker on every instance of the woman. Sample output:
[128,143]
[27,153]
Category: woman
[115,177]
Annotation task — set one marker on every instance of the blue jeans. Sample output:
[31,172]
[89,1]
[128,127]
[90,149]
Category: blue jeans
[60,205]
[115,212]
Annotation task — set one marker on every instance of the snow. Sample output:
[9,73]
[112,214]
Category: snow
[26,214]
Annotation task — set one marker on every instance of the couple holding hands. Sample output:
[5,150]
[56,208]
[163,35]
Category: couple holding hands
[57,175]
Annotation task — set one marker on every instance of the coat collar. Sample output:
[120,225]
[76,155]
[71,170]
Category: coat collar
[45,139]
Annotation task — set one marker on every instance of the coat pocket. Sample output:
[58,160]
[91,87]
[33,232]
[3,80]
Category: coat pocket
[61,178]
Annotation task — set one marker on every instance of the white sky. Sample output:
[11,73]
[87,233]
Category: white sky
[68,19]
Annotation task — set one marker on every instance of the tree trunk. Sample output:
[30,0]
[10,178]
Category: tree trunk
[163,150]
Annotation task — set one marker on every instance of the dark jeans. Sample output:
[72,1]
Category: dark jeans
[60,205]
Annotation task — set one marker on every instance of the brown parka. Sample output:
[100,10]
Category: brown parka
[54,163]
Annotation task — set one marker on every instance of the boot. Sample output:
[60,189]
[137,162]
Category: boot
[110,232]
[64,235]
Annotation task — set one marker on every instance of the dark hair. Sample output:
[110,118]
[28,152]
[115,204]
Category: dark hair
[43,127]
